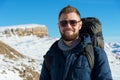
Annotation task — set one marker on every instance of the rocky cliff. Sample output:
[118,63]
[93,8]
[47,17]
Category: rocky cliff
[24,30]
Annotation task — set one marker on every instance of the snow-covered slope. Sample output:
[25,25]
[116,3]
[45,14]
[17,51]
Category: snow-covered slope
[32,47]
[35,47]
[114,59]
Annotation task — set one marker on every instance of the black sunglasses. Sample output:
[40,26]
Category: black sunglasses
[64,23]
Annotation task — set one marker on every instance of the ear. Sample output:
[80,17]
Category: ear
[80,25]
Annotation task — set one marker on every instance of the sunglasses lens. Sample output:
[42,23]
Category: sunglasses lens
[63,23]
[73,22]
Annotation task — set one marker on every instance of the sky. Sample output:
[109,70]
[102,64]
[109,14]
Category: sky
[45,12]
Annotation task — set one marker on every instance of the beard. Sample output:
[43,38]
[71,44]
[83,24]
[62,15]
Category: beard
[66,37]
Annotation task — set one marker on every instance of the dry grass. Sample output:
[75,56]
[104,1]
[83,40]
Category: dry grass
[9,52]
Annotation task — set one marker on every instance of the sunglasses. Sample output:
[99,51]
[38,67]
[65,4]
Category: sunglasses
[64,23]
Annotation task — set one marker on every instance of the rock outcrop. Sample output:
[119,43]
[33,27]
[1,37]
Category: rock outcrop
[25,30]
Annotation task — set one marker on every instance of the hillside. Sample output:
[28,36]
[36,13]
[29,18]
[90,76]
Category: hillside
[9,52]
[13,61]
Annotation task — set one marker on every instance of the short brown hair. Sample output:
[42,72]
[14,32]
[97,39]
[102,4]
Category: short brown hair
[69,9]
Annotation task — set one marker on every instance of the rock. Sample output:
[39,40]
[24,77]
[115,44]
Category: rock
[26,30]
[20,31]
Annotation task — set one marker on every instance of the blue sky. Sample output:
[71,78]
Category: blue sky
[45,12]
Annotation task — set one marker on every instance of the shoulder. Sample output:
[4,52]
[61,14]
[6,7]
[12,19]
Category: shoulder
[53,48]
[101,65]
[99,50]
[51,53]
[100,54]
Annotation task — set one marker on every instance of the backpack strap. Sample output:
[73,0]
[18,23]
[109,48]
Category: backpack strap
[89,53]
[88,49]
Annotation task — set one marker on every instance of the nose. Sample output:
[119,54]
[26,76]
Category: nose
[68,25]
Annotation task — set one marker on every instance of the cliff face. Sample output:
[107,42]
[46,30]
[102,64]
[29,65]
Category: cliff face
[37,30]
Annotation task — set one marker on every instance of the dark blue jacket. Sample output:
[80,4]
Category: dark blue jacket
[67,68]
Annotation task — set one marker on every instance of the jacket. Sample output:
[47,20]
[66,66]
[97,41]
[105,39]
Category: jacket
[73,67]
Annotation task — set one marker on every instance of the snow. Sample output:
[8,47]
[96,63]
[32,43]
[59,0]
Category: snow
[31,46]
[34,48]
[10,76]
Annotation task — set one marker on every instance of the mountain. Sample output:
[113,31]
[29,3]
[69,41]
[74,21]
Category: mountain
[14,64]
[21,57]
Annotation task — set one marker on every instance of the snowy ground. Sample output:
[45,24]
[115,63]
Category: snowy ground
[35,48]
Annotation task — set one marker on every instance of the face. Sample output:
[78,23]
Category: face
[69,26]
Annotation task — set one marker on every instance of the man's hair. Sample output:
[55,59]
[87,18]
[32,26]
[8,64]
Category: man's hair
[69,9]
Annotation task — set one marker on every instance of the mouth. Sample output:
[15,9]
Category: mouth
[68,30]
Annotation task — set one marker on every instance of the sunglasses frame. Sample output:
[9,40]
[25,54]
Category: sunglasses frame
[64,23]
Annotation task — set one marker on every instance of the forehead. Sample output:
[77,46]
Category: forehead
[69,16]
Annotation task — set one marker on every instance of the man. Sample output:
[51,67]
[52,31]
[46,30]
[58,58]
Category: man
[62,57]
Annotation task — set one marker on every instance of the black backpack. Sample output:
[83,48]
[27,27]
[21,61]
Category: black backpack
[91,26]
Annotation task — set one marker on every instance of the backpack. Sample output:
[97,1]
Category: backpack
[91,26]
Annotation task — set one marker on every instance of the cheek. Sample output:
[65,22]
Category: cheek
[77,29]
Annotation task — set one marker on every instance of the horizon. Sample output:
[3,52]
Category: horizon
[14,12]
